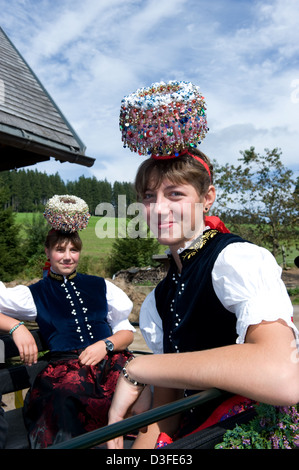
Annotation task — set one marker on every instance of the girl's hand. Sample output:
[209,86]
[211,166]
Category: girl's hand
[124,397]
[143,402]
[26,345]
[93,354]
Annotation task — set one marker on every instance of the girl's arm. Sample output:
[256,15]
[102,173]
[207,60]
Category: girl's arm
[119,309]
[22,337]
[265,368]
[125,396]
[93,354]
[147,439]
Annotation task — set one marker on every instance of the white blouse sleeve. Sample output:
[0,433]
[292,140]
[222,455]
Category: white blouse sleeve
[247,281]
[17,302]
[119,308]
[151,324]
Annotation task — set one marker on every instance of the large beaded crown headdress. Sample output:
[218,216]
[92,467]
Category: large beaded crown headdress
[67,213]
[163,119]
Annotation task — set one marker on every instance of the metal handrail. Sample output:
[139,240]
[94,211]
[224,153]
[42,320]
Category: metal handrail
[94,438]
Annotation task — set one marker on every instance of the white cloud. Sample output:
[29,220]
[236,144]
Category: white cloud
[243,55]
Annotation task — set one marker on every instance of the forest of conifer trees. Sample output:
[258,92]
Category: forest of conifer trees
[29,190]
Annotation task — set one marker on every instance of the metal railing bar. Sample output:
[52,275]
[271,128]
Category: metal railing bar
[135,351]
[120,428]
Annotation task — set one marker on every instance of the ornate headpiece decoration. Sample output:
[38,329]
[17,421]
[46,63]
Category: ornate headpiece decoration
[164,119]
[67,213]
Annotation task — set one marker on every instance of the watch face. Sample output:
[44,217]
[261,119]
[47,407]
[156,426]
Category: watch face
[109,345]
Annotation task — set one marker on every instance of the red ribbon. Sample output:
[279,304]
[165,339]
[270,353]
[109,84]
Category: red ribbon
[47,267]
[184,152]
[215,223]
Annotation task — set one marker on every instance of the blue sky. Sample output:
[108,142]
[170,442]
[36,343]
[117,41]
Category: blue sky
[88,54]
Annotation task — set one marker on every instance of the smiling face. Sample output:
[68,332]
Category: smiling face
[175,193]
[64,258]
[174,212]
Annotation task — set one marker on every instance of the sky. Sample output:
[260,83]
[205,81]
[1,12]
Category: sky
[243,54]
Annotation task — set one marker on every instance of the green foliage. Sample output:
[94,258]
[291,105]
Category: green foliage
[294,295]
[272,428]
[29,190]
[11,255]
[10,251]
[84,264]
[132,252]
[36,231]
[262,191]
[33,267]
[120,189]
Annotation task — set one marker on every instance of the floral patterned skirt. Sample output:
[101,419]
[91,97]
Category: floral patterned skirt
[68,399]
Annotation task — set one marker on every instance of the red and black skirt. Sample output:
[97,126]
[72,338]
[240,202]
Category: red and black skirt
[68,399]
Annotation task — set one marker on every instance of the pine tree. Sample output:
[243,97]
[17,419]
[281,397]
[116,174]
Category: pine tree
[132,252]
[11,257]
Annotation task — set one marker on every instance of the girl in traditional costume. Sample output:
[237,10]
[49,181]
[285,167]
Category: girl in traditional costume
[84,323]
[222,316]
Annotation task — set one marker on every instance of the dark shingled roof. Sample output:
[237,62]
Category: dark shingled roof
[32,128]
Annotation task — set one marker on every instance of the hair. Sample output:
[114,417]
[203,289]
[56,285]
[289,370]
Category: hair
[57,237]
[180,170]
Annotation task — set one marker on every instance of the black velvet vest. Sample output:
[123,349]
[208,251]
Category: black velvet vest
[192,316]
[73,314]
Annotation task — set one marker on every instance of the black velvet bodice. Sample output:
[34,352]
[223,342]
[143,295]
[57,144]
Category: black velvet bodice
[193,318]
[71,313]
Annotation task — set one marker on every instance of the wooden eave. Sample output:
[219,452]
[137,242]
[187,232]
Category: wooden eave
[32,127]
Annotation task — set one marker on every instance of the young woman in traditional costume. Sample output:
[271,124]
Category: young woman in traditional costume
[83,320]
[222,316]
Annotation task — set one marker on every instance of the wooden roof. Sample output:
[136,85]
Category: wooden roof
[32,128]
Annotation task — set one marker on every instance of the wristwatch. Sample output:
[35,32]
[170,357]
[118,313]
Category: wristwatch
[109,345]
